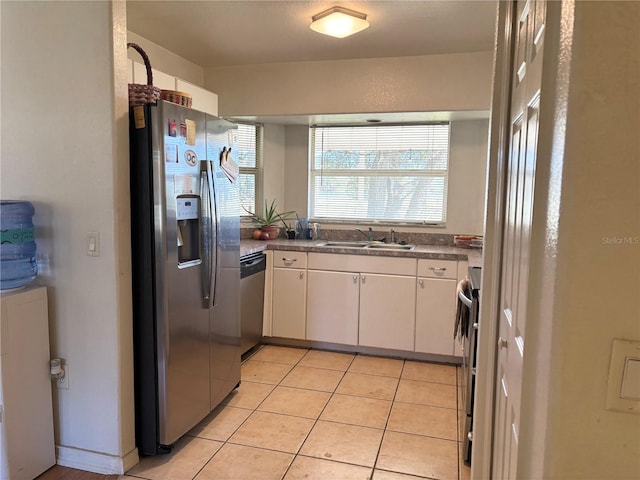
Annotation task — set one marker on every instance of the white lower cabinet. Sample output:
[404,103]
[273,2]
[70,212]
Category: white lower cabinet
[435,315]
[332,307]
[372,301]
[289,303]
[289,294]
[387,311]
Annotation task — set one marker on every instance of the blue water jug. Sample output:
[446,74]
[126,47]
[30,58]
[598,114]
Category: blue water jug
[18,264]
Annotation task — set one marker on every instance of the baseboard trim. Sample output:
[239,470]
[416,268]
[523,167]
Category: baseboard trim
[94,461]
[374,351]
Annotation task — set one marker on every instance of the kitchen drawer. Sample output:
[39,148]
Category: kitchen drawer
[289,259]
[437,268]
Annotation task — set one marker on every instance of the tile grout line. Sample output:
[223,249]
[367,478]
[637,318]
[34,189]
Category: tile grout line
[280,384]
[332,395]
[384,431]
[227,441]
[394,401]
[385,428]
[458,421]
[318,418]
[239,426]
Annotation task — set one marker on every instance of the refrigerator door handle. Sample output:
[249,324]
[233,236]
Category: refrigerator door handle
[208,230]
[205,219]
[215,223]
[212,254]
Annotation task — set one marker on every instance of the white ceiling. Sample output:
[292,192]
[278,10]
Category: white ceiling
[218,33]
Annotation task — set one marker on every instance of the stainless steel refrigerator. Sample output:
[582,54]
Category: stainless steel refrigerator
[185,265]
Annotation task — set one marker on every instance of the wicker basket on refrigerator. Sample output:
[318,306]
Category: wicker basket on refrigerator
[140,94]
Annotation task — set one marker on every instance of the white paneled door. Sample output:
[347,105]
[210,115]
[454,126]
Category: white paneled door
[528,35]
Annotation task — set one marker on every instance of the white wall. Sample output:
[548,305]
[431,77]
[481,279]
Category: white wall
[297,169]
[165,60]
[460,82]
[65,148]
[467,177]
[584,287]
[273,165]
[401,84]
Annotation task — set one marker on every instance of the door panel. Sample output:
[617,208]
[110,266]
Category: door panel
[332,309]
[183,328]
[224,325]
[387,311]
[528,29]
[435,307]
[289,303]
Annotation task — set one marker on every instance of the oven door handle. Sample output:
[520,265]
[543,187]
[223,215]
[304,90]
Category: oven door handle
[460,289]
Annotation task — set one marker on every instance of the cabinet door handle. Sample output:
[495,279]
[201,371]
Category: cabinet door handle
[301,275]
[364,279]
[502,342]
[288,261]
[355,279]
[421,282]
[437,269]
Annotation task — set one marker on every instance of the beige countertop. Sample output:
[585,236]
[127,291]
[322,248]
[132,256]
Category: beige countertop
[472,255]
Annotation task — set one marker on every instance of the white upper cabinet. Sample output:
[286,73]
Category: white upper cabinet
[203,100]
[160,79]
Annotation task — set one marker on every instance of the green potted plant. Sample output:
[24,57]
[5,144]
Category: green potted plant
[268,222]
[290,232]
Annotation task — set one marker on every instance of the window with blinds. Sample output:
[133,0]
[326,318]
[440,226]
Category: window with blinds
[248,142]
[389,173]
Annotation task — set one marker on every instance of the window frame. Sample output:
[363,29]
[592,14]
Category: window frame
[313,173]
[257,171]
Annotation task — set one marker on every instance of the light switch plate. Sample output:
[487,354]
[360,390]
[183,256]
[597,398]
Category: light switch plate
[623,388]
[93,244]
[631,379]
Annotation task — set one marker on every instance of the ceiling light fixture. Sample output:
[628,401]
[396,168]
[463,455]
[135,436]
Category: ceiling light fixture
[339,22]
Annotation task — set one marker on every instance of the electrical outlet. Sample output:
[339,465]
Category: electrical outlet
[64,381]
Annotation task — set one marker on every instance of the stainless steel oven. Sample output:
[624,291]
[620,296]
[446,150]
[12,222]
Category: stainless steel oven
[467,334]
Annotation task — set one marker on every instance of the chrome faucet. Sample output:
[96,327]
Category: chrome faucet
[368,234]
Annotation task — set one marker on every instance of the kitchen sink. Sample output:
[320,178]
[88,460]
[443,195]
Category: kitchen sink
[345,244]
[374,245]
[390,246]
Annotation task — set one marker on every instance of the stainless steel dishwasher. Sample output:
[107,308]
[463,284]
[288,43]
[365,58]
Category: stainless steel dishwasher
[252,269]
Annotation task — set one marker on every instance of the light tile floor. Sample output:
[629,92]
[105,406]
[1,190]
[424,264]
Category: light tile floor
[310,414]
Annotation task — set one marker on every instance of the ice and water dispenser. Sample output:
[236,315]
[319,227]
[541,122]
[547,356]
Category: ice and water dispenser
[188,217]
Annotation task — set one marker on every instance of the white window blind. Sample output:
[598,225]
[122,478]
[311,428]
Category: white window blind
[248,142]
[393,173]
